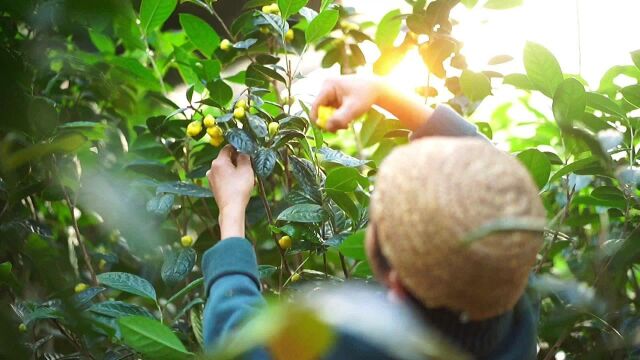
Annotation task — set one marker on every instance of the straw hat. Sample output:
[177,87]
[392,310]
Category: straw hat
[429,195]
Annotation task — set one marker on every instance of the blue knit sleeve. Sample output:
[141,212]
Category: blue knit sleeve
[232,283]
[446,122]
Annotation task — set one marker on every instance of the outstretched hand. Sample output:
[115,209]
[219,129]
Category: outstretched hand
[352,95]
[231,179]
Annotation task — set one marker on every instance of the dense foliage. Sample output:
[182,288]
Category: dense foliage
[104,207]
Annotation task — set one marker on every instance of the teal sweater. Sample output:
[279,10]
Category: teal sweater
[233,287]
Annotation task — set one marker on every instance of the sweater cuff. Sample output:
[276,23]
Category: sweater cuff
[228,257]
[445,122]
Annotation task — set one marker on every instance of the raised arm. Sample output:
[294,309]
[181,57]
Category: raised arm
[354,95]
[230,268]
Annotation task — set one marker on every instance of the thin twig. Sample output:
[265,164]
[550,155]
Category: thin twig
[85,253]
[284,266]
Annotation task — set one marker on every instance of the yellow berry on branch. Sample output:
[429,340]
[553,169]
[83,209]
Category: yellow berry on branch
[102,264]
[215,131]
[290,35]
[273,128]
[226,45]
[295,277]
[209,121]
[264,29]
[216,141]
[242,103]
[285,242]
[239,113]
[80,287]
[22,327]
[186,241]
[194,128]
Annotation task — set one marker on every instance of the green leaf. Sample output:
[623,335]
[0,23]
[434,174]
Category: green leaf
[151,338]
[153,13]
[177,265]
[290,7]
[435,53]
[325,4]
[519,81]
[476,86]
[632,95]
[265,271]
[338,157]
[635,56]
[569,102]
[345,203]
[375,127]
[305,173]
[602,103]
[257,125]
[353,246]
[103,43]
[321,25]
[304,213]
[220,92]
[117,309]
[575,167]
[192,285]
[469,3]
[388,29]
[342,179]
[538,165]
[128,283]
[502,4]
[160,204]
[610,193]
[184,189]
[500,59]
[264,162]
[543,69]
[200,33]
[241,141]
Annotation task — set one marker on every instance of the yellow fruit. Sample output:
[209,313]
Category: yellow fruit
[214,131]
[22,328]
[194,128]
[290,35]
[289,100]
[241,104]
[324,114]
[273,128]
[80,287]
[264,29]
[102,264]
[209,121]
[216,141]
[285,242]
[274,9]
[225,45]
[266,9]
[186,241]
[295,277]
[348,26]
[238,113]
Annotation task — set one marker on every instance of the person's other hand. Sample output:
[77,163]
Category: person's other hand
[351,95]
[231,179]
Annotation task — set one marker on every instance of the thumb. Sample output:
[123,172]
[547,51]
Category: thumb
[343,116]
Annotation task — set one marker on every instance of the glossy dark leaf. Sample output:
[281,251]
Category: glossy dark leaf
[241,141]
[303,213]
[177,265]
[338,157]
[264,162]
[184,189]
[129,283]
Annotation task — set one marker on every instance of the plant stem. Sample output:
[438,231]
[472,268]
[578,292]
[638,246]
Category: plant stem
[284,266]
[344,266]
[85,253]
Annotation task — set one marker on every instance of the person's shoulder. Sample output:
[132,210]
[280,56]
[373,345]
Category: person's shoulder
[370,325]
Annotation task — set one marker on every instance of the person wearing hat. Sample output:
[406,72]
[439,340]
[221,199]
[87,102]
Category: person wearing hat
[429,196]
